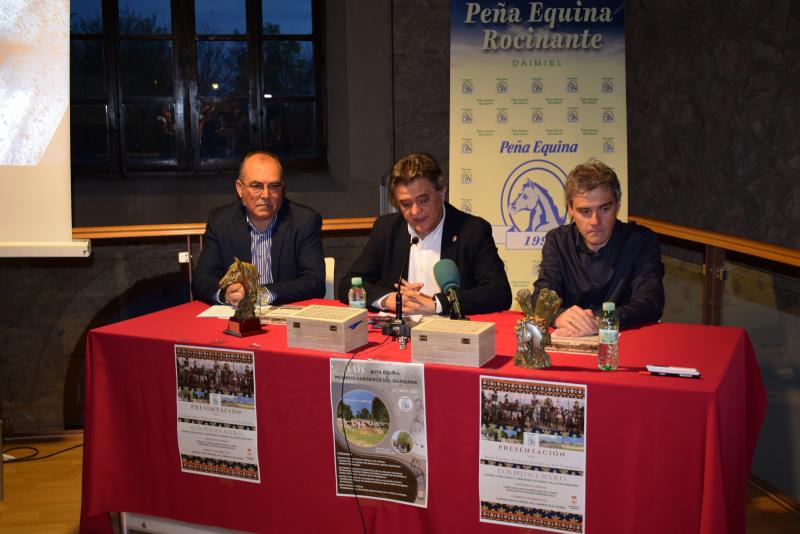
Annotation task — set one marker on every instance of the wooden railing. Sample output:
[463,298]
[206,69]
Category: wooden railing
[766,251]
[362,226]
[330,228]
[716,247]
[141,230]
[188,231]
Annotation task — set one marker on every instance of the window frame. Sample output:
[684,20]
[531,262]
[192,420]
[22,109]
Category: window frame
[186,98]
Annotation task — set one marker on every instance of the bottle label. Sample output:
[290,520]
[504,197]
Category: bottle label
[608,336]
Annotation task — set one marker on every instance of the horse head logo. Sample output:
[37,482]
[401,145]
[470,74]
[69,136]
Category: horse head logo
[531,204]
[535,199]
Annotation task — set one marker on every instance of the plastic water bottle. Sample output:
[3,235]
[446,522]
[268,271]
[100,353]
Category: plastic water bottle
[608,351]
[357,296]
[262,302]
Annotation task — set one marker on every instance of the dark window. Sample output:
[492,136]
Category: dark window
[86,17]
[215,17]
[286,17]
[145,17]
[145,68]
[89,133]
[88,72]
[177,86]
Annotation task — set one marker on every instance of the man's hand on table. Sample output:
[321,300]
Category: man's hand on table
[414,301]
[575,322]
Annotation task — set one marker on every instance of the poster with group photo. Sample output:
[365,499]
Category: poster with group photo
[380,441]
[532,469]
[216,412]
[536,88]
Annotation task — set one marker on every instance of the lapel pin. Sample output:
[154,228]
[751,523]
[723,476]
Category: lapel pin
[455,238]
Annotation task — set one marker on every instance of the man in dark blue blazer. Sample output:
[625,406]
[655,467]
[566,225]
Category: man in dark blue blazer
[390,263]
[280,237]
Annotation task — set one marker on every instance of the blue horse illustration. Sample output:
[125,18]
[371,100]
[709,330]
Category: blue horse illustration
[543,212]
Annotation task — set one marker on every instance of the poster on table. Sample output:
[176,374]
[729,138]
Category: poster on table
[379,436]
[535,89]
[532,470]
[216,408]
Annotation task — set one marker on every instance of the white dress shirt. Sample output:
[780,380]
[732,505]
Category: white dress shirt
[421,259]
[423,256]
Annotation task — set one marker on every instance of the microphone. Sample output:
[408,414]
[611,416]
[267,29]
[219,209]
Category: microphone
[446,274]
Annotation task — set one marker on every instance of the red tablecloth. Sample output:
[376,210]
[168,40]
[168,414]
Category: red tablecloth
[663,454]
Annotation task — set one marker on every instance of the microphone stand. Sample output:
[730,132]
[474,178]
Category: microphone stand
[403,330]
[398,328]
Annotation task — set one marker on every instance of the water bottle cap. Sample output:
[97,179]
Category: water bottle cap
[356,281]
[608,306]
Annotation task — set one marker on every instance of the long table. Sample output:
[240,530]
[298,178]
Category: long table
[663,454]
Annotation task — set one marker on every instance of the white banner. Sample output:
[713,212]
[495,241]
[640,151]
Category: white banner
[535,89]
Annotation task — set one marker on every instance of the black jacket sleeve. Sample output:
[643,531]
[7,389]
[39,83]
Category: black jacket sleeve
[646,302]
[484,283]
[210,267]
[300,273]
[550,271]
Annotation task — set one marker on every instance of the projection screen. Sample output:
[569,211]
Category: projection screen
[35,207]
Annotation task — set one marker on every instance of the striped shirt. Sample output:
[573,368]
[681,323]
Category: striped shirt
[261,254]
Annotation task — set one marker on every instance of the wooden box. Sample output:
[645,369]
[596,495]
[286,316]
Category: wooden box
[574,345]
[328,328]
[438,340]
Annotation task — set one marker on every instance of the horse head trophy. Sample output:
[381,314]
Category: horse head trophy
[244,321]
[532,329]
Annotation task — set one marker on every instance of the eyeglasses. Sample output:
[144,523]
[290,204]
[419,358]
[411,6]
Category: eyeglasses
[421,202]
[257,188]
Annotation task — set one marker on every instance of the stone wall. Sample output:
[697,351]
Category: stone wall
[713,108]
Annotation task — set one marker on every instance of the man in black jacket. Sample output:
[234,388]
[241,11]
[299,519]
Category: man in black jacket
[599,259]
[280,237]
[390,262]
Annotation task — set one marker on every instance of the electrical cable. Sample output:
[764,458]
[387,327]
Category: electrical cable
[347,444]
[344,428]
[35,454]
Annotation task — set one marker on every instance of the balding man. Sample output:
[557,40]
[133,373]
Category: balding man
[280,237]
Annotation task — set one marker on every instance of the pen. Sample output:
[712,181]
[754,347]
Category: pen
[674,375]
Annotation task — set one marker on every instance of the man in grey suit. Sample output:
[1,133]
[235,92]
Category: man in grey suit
[280,237]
